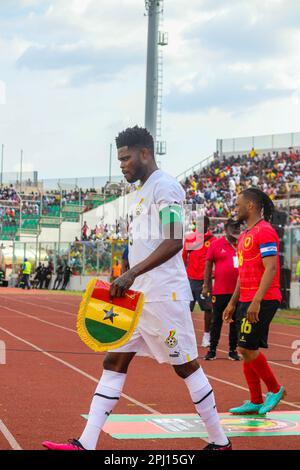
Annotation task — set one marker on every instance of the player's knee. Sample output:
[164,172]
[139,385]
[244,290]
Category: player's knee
[185,370]
[243,352]
[117,362]
[248,355]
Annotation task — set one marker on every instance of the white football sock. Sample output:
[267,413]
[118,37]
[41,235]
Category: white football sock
[203,398]
[106,397]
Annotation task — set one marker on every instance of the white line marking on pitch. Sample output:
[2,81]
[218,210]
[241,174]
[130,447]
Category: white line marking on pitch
[246,389]
[40,319]
[271,362]
[42,306]
[74,331]
[76,369]
[272,331]
[9,437]
[272,344]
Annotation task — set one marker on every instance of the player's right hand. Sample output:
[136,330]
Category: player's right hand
[205,291]
[228,313]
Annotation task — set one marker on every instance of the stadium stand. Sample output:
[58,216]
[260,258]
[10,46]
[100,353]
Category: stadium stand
[216,185]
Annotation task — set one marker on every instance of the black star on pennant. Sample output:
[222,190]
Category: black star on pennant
[110,314]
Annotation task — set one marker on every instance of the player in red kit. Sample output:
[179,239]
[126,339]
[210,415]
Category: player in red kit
[258,293]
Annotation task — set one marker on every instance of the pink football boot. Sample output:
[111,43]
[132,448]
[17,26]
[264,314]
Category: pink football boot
[73,444]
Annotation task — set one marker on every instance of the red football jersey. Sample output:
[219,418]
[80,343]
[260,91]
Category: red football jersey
[224,256]
[254,245]
[194,253]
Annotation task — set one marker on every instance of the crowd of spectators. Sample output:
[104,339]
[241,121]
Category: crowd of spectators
[295,215]
[216,186]
[8,193]
[105,232]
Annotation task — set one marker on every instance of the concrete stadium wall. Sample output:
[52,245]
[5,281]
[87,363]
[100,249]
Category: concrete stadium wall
[110,212]
[78,283]
[69,230]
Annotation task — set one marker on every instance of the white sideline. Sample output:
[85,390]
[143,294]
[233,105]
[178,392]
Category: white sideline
[9,437]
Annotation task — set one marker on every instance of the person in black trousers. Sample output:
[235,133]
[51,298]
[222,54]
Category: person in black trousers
[223,255]
[59,277]
[67,275]
[42,277]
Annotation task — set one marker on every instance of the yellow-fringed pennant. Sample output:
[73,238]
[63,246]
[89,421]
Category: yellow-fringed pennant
[105,324]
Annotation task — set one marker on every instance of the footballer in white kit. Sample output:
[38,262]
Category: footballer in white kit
[165,330]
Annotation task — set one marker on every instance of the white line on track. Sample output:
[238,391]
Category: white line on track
[198,329]
[94,379]
[74,331]
[49,298]
[246,389]
[272,344]
[42,306]
[76,369]
[129,398]
[272,331]
[272,362]
[40,319]
[9,437]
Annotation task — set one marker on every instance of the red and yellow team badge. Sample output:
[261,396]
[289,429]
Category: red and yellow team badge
[213,299]
[104,324]
[207,244]
[248,242]
[171,341]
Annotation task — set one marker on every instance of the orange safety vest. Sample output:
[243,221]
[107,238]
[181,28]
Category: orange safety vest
[117,270]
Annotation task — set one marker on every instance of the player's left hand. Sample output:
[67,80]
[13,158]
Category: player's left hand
[253,311]
[122,284]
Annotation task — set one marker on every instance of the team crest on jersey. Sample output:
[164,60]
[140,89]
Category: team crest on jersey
[207,244]
[248,242]
[139,207]
[213,299]
[171,341]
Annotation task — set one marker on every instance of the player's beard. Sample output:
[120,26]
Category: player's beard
[242,218]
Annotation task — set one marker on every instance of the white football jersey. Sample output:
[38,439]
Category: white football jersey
[169,280]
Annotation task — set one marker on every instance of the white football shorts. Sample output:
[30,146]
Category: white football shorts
[165,332]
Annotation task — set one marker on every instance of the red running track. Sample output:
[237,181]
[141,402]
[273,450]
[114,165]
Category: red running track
[50,377]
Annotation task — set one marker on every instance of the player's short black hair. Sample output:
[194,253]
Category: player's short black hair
[262,201]
[135,137]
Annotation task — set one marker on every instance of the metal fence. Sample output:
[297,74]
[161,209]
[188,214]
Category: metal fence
[85,258]
[96,258]
[195,168]
[31,182]
[85,183]
[260,142]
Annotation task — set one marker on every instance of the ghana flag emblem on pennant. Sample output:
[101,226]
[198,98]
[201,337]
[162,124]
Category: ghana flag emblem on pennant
[104,324]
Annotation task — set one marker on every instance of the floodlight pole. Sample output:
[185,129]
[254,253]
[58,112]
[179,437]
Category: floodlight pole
[153,8]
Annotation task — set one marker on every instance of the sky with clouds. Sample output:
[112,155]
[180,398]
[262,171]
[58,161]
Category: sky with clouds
[72,75]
